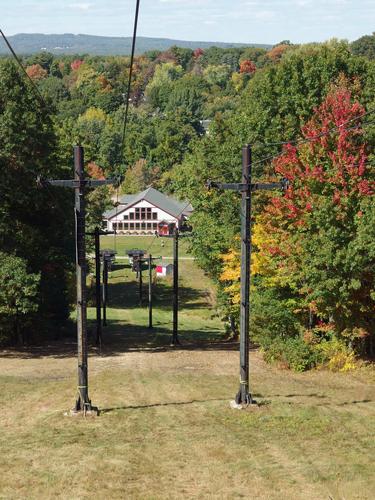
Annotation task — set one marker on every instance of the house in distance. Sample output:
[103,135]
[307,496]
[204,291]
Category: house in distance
[148,212]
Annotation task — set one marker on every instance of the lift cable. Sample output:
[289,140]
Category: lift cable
[319,136]
[126,114]
[311,139]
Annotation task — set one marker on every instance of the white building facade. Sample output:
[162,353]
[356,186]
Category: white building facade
[148,212]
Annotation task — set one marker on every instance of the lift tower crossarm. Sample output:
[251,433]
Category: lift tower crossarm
[80,184]
[246,187]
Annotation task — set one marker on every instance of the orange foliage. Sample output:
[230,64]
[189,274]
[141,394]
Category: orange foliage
[76,64]
[277,52]
[198,53]
[36,72]
[95,171]
[247,67]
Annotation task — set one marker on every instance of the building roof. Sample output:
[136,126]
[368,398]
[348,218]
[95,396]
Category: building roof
[156,198]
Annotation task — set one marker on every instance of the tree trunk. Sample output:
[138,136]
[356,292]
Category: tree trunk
[234,328]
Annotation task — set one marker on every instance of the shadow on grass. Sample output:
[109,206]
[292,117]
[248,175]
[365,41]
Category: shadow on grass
[156,405]
[122,337]
[126,296]
[119,337]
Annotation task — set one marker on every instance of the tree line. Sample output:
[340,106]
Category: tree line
[190,114]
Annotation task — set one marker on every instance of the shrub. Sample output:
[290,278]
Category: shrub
[272,316]
[291,353]
[19,292]
[335,355]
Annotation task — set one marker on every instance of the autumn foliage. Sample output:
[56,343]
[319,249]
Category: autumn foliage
[76,64]
[329,165]
[247,67]
[95,172]
[198,53]
[276,53]
[36,72]
[314,244]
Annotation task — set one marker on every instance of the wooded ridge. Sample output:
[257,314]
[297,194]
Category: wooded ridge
[68,43]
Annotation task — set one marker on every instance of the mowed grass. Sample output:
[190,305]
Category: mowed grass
[166,429]
[198,320]
[162,246]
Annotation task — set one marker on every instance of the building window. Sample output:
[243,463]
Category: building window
[149,214]
[131,215]
[143,225]
[137,214]
[143,213]
[149,225]
[154,216]
[137,226]
[120,226]
[154,225]
[132,226]
[114,225]
[126,217]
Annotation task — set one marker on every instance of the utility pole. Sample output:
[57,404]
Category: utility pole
[140,282]
[175,340]
[105,289]
[246,187]
[98,293]
[97,287]
[150,291]
[80,184]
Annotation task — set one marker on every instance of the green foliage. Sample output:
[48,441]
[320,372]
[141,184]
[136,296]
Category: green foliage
[165,145]
[273,315]
[188,96]
[275,326]
[19,297]
[217,75]
[32,226]
[158,90]
[282,97]
[183,56]
[215,56]
[335,354]
[291,353]
[54,90]
[364,46]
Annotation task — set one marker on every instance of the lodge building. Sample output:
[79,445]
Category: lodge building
[148,212]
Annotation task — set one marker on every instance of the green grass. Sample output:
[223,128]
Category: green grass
[166,429]
[155,246]
[198,319]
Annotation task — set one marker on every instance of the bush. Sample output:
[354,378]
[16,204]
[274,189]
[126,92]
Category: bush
[335,355]
[272,317]
[291,353]
[19,291]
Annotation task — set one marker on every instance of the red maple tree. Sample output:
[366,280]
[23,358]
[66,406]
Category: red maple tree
[76,64]
[247,67]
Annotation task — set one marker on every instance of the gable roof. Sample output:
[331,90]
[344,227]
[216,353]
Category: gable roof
[156,198]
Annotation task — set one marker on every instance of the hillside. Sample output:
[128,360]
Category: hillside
[68,43]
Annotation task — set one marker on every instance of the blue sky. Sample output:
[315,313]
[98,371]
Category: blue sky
[258,21]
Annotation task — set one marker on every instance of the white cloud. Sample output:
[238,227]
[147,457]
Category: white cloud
[81,6]
[265,14]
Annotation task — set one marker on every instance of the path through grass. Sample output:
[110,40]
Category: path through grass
[166,429]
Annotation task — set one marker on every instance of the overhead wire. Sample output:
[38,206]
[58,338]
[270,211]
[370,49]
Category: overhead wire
[126,114]
[311,139]
[117,205]
[316,137]
[35,88]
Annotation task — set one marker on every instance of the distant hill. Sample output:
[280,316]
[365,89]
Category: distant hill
[102,45]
